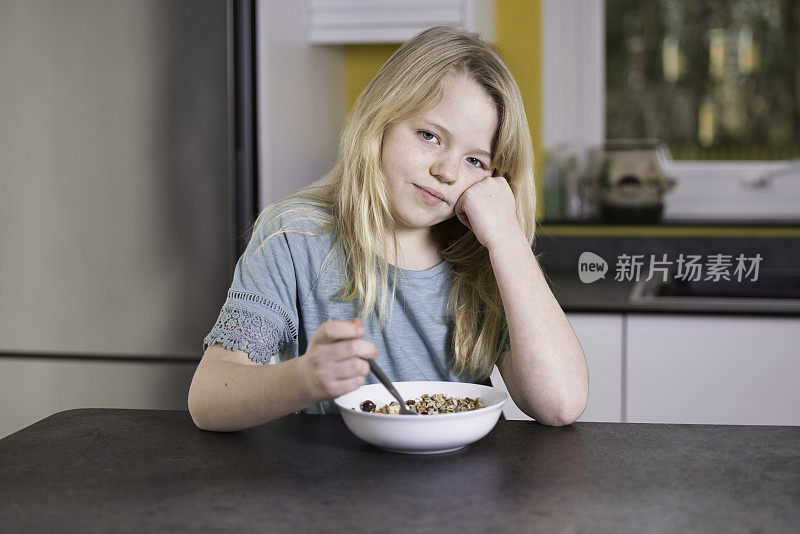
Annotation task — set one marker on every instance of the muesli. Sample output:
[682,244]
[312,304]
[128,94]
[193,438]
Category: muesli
[437,403]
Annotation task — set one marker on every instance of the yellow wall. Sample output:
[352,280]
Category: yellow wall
[518,37]
[520,41]
[362,63]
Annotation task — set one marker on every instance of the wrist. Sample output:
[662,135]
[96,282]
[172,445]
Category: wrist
[509,240]
[308,385]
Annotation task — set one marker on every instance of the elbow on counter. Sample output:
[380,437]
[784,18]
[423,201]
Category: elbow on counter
[196,412]
[564,420]
[562,416]
[199,411]
[568,414]
[209,415]
[557,420]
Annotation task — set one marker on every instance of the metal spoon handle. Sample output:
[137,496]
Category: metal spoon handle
[377,371]
[373,365]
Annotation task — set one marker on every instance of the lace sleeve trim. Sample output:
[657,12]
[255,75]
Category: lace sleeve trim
[240,329]
[277,308]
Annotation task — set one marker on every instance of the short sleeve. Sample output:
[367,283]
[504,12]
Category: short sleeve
[260,314]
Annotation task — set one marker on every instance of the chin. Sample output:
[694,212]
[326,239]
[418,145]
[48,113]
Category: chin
[417,220]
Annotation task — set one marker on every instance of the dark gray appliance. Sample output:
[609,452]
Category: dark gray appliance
[128,173]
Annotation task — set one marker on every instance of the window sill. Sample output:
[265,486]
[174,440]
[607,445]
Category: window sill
[673,227]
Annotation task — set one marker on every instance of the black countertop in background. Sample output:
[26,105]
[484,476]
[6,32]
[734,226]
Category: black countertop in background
[604,295]
[558,257]
[148,471]
[743,223]
[610,296]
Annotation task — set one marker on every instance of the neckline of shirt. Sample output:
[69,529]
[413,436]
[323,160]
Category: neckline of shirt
[427,273]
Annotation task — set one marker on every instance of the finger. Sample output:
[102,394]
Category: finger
[464,219]
[340,387]
[335,329]
[349,368]
[360,348]
[459,208]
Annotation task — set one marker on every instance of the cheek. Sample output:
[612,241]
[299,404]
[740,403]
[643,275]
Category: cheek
[403,161]
[474,179]
[391,157]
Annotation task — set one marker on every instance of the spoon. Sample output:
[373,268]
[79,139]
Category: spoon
[377,371]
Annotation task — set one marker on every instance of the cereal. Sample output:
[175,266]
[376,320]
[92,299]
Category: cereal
[427,405]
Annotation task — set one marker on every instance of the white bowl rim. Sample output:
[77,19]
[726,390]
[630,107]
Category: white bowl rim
[452,415]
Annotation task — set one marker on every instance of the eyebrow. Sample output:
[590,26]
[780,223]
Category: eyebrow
[445,130]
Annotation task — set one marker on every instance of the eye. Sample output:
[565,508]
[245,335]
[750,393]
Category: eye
[480,163]
[423,133]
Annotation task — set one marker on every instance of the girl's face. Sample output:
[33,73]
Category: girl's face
[444,150]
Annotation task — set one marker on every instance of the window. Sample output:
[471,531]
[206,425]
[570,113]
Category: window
[715,79]
[716,183]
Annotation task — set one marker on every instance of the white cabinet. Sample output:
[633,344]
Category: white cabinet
[392,21]
[741,370]
[600,335]
[687,369]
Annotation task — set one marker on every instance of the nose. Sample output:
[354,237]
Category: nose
[445,168]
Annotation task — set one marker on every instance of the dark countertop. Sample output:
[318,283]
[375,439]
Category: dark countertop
[610,296]
[741,223]
[559,257]
[142,471]
[604,295]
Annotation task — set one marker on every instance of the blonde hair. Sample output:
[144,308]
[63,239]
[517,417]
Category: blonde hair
[352,199]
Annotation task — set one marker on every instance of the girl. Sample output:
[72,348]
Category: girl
[432,196]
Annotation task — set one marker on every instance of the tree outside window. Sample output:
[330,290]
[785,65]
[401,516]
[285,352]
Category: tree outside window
[715,79]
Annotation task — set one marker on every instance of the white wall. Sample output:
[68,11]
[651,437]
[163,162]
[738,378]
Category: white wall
[301,101]
[573,73]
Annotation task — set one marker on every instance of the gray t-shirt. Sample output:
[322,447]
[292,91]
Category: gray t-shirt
[280,296]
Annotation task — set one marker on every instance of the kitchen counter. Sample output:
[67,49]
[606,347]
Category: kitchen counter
[141,471]
[770,228]
[604,295]
[559,256]
[610,296]
[736,223]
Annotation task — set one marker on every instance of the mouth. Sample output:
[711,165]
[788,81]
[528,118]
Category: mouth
[429,194]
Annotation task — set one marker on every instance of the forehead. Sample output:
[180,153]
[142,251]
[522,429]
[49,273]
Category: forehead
[466,110]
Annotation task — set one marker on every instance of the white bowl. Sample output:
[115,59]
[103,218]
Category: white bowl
[421,434]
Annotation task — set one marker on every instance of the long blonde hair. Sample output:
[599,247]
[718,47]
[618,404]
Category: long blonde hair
[351,200]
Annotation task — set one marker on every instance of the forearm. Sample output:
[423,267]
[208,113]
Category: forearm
[550,376]
[226,396]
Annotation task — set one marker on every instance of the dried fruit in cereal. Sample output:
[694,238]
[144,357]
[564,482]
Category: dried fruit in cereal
[437,403]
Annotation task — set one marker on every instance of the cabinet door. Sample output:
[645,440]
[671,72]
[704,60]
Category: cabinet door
[34,388]
[740,370]
[390,21]
[600,336]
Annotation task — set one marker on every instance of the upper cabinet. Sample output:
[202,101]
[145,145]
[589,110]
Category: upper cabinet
[392,21]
